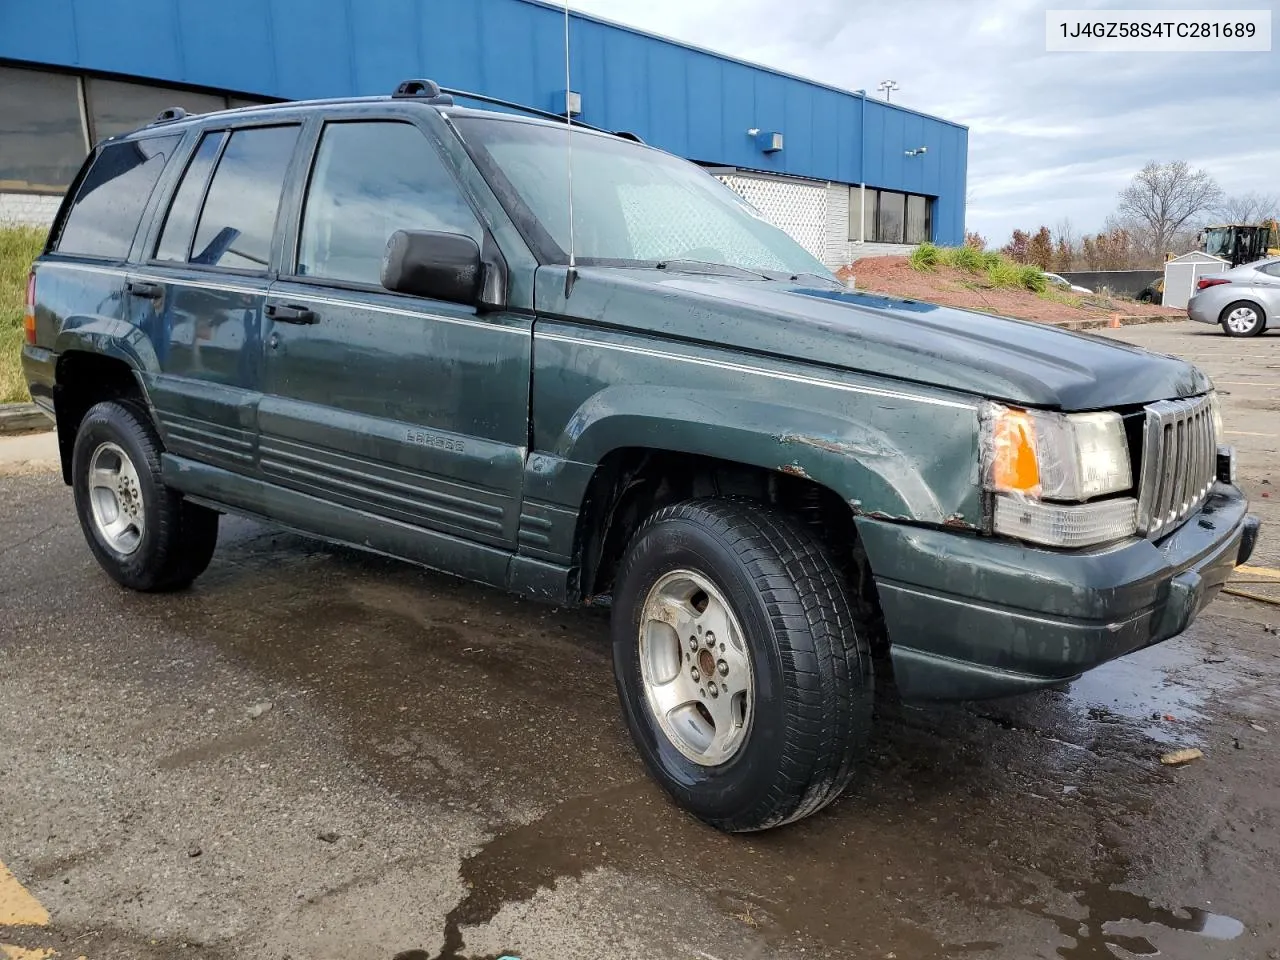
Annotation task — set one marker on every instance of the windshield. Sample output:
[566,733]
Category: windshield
[1217,241]
[631,203]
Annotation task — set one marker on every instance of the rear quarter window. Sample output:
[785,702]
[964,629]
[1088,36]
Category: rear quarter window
[104,215]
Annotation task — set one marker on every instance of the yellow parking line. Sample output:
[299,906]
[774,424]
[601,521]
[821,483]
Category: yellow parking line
[1270,572]
[22,953]
[17,907]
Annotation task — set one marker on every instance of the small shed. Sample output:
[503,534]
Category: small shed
[1181,274]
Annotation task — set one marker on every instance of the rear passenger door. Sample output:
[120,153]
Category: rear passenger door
[409,409]
[200,294]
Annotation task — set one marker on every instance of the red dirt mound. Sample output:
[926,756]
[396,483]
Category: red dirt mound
[950,287]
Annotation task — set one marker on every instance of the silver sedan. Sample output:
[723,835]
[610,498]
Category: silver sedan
[1243,299]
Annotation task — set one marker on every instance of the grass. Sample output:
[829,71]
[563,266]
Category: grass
[997,269]
[18,247]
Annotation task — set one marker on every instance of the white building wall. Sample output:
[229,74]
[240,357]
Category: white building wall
[28,209]
[797,207]
[815,215]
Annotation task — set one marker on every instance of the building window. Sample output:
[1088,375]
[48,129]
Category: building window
[919,219]
[890,216]
[116,107]
[43,139]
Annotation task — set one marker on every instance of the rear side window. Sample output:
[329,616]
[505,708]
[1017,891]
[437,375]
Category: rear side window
[239,214]
[104,215]
[370,180]
[175,238]
[1272,268]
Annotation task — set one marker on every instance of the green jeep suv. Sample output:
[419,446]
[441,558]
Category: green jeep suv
[363,320]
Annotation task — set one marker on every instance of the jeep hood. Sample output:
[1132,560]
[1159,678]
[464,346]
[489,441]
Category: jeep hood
[974,353]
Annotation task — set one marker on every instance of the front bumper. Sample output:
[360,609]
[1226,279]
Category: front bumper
[971,617]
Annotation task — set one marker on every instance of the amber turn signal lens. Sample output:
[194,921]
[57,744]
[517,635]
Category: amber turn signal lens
[29,317]
[1014,467]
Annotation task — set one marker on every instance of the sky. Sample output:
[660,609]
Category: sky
[1051,135]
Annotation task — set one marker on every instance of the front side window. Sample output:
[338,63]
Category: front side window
[632,204]
[371,179]
[104,215]
[239,215]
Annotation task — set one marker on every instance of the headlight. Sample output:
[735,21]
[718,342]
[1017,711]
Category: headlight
[1215,405]
[1030,456]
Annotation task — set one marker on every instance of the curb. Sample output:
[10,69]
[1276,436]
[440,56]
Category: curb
[18,418]
[1098,323]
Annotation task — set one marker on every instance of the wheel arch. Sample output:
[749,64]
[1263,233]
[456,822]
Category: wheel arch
[630,483]
[86,375]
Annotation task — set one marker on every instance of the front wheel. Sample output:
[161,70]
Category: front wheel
[144,534]
[745,680]
[1242,319]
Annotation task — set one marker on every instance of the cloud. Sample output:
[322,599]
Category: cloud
[1051,135]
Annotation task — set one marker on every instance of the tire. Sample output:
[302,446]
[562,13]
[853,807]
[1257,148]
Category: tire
[145,535]
[788,749]
[1242,319]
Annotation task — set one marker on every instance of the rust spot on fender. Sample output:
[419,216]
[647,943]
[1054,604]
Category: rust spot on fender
[957,520]
[794,470]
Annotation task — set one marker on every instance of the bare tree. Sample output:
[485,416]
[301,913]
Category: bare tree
[1067,246]
[1165,197]
[1065,231]
[1248,208]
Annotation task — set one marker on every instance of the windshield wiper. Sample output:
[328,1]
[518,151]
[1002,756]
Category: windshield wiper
[707,267]
[788,276]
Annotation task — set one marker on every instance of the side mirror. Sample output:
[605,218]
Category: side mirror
[426,263]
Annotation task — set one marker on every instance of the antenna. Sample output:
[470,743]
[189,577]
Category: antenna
[572,273]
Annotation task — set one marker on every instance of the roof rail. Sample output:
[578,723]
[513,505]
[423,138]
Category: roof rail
[168,115]
[427,90]
[432,92]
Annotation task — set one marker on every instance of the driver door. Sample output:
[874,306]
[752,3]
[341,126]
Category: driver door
[408,410]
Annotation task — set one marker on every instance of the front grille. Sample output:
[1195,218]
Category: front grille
[1179,462]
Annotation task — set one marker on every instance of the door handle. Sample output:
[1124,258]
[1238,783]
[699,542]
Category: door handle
[287,313]
[141,288]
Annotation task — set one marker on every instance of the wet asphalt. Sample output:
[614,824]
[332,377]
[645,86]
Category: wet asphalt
[314,753]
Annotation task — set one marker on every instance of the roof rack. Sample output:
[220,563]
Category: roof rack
[432,92]
[168,115]
[427,90]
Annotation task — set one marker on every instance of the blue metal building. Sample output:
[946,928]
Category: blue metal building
[713,109]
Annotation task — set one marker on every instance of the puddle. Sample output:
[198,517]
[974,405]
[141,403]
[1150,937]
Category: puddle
[1117,918]
[1168,680]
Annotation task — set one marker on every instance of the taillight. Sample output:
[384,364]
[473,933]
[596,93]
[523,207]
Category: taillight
[1210,282]
[29,318]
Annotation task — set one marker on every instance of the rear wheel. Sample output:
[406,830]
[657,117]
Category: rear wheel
[1242,319]
[745,679]
[144,534]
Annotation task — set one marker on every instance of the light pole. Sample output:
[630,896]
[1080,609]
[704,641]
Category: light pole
[888,86]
